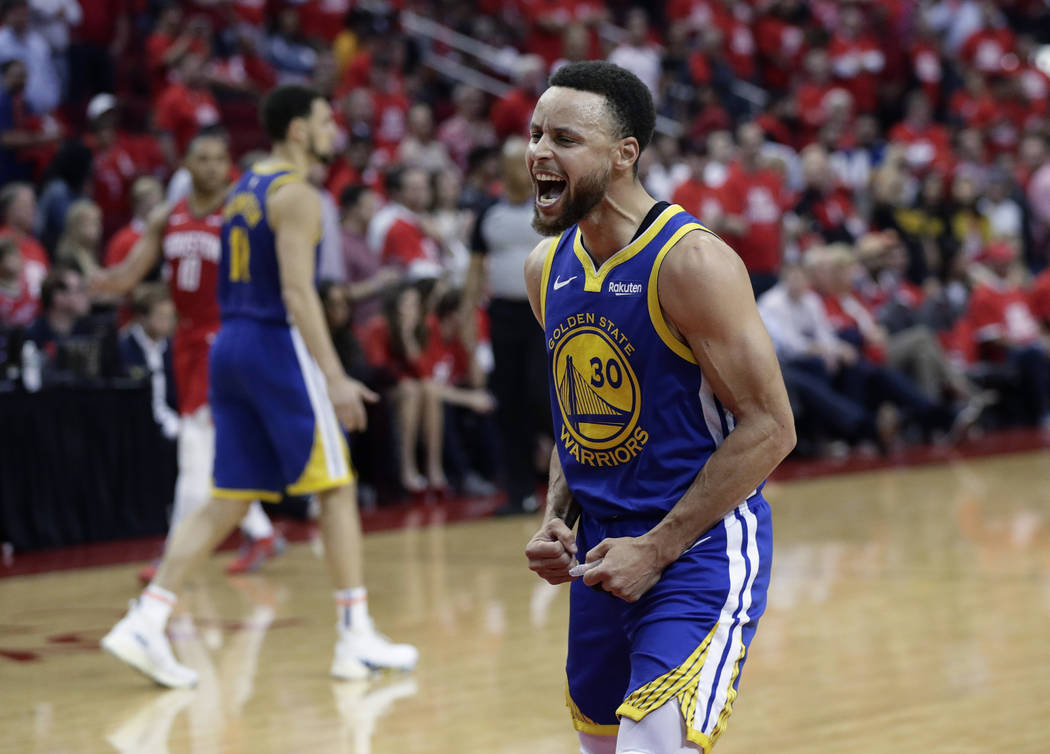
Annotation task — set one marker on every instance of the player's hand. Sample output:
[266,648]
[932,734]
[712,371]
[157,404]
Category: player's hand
[349,398]
[552,552]
[630,567]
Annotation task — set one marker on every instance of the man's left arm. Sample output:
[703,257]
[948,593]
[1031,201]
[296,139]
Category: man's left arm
[707,300]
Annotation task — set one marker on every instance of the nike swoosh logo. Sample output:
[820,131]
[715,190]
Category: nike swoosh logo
[559,283]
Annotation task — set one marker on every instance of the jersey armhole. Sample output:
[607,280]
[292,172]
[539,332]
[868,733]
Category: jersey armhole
[656,312]
[546,277]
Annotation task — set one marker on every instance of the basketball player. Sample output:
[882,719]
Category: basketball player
[278,394]
[669,412]
[186,237]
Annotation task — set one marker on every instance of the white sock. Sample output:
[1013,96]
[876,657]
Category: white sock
[156,603]
[351,607]
[256,524]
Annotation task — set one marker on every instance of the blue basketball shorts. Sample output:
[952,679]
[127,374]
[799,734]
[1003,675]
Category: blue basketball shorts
[685,639]
[275,428]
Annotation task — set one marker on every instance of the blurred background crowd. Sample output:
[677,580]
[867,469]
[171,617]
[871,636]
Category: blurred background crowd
[883,169]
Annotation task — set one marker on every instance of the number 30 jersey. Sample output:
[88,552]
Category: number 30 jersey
[634,418]
[249,276]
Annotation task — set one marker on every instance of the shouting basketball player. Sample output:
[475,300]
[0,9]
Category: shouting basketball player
[278,393]
[669,413]
[186,237]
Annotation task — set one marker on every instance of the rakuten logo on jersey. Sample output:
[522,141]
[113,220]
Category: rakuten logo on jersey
[625,288]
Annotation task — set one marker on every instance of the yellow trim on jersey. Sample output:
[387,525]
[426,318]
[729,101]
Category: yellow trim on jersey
[270,166]
[584,724]
[677,683]
[283,180]
[267,496]
[545,280]
[595,278]
[315,477]
[656,312]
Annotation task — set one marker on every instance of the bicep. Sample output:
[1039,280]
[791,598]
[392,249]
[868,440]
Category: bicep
[296,216]
[706,293]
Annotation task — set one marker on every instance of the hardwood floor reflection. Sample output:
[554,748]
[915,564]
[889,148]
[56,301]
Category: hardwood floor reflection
[907,612]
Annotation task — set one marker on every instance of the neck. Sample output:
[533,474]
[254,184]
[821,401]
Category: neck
[295,155]
[202,204]
[612,224]
[61,322]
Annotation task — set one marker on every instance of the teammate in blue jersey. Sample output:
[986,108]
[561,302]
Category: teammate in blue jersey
[278,395]
[669,413]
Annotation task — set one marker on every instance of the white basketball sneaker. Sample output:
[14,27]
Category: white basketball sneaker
[143,646]
[361,649]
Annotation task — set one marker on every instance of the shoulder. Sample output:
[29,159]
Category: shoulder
[291,195]
[701,258]
[703,285]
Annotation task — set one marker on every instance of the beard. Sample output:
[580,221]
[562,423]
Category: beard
[324,158]
[579,201]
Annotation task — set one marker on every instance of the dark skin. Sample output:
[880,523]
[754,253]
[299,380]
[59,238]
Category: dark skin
[707,301]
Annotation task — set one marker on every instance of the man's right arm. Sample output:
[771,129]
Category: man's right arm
[143,257]
[552,550]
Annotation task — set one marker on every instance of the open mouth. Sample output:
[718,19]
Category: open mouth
[549,188]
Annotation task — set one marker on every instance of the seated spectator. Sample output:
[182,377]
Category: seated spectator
[510,114]
[71,343]
[80,246]
[186,105]
[825,209]
[66,180]
[24,138]
[171,40]
[638,53]
[468,128]
[451,225]
[926,143]
[367,279]
[811,356]
[146,193]
[18,305]
[419,148]
[17,213]
[288,51]
[399,232]
[970,230]
[1006,331]
[456,380]
[395,342]
[19,40]
[145,351]
[1003,214]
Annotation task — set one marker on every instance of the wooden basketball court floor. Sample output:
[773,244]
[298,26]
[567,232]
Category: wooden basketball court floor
[909,612]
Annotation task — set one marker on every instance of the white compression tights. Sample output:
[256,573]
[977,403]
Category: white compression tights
[662,731]
[196,454]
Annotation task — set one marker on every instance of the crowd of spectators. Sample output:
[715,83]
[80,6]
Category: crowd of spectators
[882,168]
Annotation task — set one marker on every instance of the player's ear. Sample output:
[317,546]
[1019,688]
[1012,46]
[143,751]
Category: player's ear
[627,153]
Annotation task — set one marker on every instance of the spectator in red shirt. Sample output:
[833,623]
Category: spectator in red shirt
[468,128]
[734,18]
[187,105]
[986,49]
[398,232]
[511,113]
[825,206]
[927,65]
[18,305]
[817,94]
[764,199]
[395,343]
[926,143]
[17,215]
[146,193]
[1006,330]
[781,43]
[96,43]
[389,102]
[548,18]
[171,41]
[717,206]
[26,141]
[857,60]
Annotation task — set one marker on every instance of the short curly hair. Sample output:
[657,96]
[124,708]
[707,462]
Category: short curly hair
[629,99]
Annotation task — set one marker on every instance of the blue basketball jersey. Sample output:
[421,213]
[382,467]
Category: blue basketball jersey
[249,277]
[634,418]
